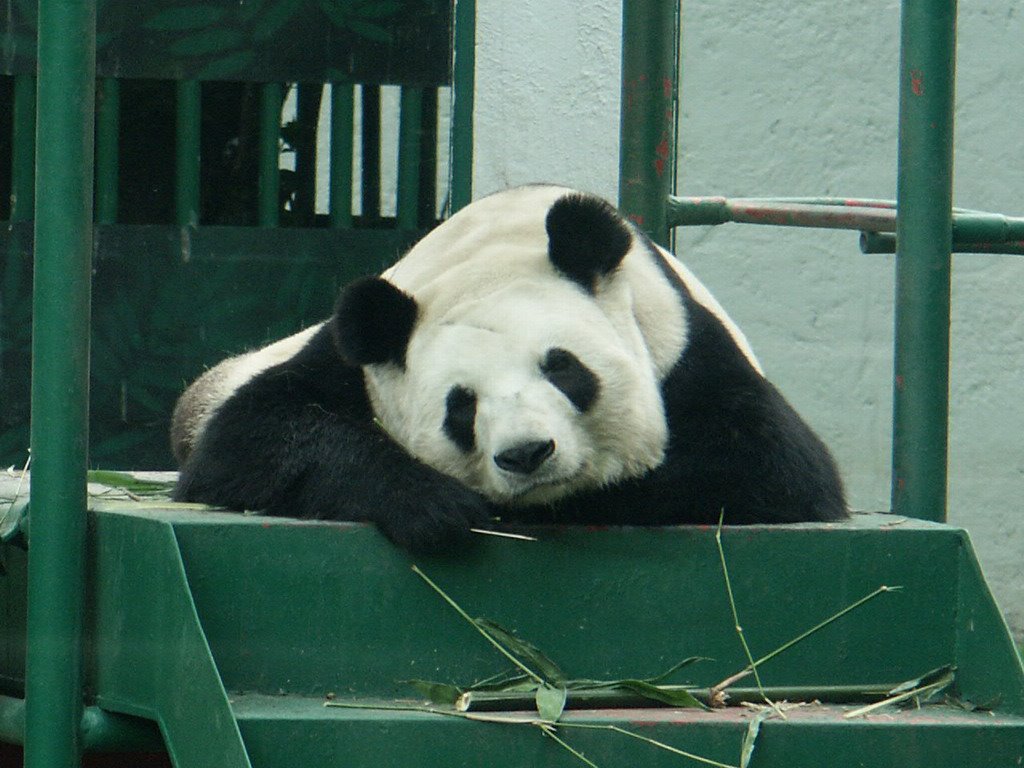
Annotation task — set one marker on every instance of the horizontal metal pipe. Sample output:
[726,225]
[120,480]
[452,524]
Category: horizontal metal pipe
[884,242]
[101,731]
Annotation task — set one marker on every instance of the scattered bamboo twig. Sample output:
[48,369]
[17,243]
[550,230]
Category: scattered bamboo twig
[490,638]
[503,534]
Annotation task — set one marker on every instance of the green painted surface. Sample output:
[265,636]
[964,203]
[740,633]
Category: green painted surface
[198,619]
[289,40]
[924,192]
[169,302]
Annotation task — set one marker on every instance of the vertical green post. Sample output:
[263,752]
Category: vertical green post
[24,149]
[342,138]
[271,100]
[188,111]
[108,120]
[60,381]
[409,134]
[647,127]
[463,83]
[923,237]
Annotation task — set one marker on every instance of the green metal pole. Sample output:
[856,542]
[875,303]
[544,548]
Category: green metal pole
[108,110]
[270,154]
[60,381]
[24,152]
[923,235]
[409,135]
[463,84]
[647,134]
[342,138]
[188,111]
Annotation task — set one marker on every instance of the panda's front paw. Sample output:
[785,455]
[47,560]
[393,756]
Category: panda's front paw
[437,520]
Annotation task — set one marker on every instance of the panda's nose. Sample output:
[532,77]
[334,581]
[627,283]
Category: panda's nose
[523,459]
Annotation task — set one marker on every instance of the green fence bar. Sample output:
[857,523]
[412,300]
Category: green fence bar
[463,83]
[342,138]
[923,236]
[409,154]
[186,182]
[370,151]
[23,149]
[108,122]
[884,242]
[650,47]
[60,381]
[271,99]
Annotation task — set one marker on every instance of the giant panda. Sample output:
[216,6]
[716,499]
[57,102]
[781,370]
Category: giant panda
[534,359]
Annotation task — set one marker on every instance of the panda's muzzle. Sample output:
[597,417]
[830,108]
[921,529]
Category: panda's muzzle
[525,458]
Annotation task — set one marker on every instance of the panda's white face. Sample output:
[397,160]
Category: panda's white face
[521,403]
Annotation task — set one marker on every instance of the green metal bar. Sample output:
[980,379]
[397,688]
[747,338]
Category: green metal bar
[101,731]
[24,149]
[108,121]
[923,236]
[186,182]
[409,135]
[719,210]
[60,381]
[463,84]
[647,130]
[342,129]
[271,100]
[883,242]
[370,151]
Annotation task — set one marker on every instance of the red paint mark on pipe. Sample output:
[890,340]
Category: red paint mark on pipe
[917,82]
[899,382]
[636,218]
[666,87]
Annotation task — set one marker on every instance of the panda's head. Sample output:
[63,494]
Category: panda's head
[511,358]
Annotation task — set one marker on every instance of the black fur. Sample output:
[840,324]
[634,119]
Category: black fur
[299,440]
[587,238]
[460,418]
[736,447]
[577,382]
[373,322]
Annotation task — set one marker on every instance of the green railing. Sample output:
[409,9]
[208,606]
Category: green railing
[923,235]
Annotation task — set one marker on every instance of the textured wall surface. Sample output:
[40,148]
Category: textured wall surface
[800,99]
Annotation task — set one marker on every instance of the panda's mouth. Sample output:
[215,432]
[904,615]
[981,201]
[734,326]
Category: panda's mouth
[541,490]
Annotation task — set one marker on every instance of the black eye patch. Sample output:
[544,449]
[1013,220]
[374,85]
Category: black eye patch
[459,417]
[577,382]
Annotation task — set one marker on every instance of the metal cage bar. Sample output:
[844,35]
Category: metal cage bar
[108,124]
[23,149]
[271,99]
[60,381]
[650,56]
[188,115]
[923,237]
[342,137]
[463,83]
[409,155]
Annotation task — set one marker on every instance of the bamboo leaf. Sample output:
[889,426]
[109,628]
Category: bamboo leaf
[674,668]
[750,737]
[369,30]
[275,18]
[675,697]
[226,66]
[550,702]
[206,42]
[437,693]
[536,659]
[185,18]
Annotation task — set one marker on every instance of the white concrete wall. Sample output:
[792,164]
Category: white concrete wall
[787,98]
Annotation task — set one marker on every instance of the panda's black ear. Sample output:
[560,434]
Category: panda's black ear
[587,238]
[373,322]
